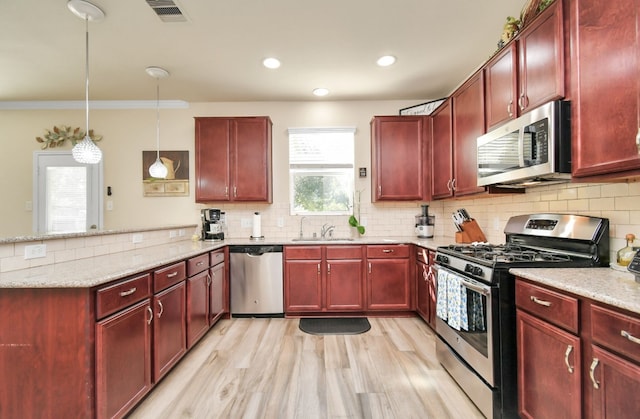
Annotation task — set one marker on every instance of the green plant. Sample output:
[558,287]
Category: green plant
[353,222]
[57,136]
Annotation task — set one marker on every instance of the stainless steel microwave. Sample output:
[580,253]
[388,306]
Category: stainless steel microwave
[532,149]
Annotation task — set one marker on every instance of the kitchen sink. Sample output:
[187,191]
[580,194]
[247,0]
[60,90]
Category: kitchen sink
[320,239]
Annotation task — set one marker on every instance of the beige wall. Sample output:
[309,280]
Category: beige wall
[128,132]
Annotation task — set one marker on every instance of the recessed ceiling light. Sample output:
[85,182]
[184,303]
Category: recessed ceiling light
[271,62]
[386,60]
[320,91]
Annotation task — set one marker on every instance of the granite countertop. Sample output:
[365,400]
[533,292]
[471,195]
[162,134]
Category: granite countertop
[607,285]
[91,272]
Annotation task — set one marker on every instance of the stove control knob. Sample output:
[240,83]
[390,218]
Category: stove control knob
[442,258]
[474,270]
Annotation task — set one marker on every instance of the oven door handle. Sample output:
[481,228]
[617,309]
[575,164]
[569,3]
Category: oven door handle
[477,288]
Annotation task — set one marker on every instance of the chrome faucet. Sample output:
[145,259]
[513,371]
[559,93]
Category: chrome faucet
[326,228]
[301,234]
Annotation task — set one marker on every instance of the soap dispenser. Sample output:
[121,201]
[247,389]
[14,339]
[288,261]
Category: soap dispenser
[626,253]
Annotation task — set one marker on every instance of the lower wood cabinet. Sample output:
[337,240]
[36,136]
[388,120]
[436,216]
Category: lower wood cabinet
[197,306]
[218,287]
[388,282]
[549,372]
[123,360]
[426,286]
[576,357]
[169,329]
[323,279]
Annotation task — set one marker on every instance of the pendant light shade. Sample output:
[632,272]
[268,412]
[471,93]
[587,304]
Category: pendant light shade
[86,151]
[158,169]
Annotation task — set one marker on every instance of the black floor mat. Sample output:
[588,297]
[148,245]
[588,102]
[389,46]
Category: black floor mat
[335,326]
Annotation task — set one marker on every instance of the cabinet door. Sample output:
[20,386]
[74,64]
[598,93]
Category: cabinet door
[614,384]
[388,284]
[422,288]
[605,67]
[217,296]
[197,307]
[344,285]
[501,87]
[549,370]
[442,152]
[398,157]
[123,360]
[169,329]
[541,61]
[212,148]
[302,285]
[251,159]
[468,125]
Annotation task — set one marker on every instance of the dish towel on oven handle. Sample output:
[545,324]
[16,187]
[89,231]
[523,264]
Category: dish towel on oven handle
[441,299]
[457,316]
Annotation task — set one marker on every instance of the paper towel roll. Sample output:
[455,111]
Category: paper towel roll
[256,226]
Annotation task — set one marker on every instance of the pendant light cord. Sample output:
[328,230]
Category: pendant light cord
[86,89]
[158,118]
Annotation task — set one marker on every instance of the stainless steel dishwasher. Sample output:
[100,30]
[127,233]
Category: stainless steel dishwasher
[256,281]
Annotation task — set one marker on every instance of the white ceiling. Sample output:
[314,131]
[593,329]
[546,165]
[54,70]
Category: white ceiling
[216,55]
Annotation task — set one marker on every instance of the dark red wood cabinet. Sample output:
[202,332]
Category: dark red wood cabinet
[529,71]
[169,329]
[388,280]
[468,125]
[233,159]
[321,279]
[605,69]
[576,357]
[218,288]
[425,286]
[197,306]
[399,147]
[442,151]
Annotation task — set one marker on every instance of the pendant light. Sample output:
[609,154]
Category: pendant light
[86,151]
[157,169]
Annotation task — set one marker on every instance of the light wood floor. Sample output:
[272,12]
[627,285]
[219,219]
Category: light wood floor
[268,368]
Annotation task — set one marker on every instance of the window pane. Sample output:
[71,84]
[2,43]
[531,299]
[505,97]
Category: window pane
[66,199]
[321,170]
[326,191]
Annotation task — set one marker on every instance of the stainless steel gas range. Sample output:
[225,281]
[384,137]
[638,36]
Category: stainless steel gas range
[475,306]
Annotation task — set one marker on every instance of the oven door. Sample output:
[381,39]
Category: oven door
[464,320]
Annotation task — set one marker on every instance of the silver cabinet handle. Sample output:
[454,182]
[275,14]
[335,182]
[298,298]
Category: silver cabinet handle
[379,190]
[638,140]
[509,108]
[226,191]
[328,268]
[541,302]
[318,269]
[235,192]
[209,280]
[172,274]
[629,336]
[453,184]
[387,250]
[592,370]
[566,358]
[449,185]
[369,267]
[200,263]
[128,292]
[521,101]
[150,315]
[161,309]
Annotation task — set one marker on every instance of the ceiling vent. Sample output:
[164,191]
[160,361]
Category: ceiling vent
[167,10]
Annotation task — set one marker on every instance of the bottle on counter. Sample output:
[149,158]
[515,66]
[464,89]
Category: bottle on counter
[626,253]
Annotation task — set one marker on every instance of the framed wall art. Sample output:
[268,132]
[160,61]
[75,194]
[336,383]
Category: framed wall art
[177,181]
[423,108]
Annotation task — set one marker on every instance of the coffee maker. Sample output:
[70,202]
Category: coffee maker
[212,224]
[424,223]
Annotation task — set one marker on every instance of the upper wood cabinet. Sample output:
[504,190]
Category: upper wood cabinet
[605,69]
[457,124]
[528,72]
[398,155]
[233,159]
